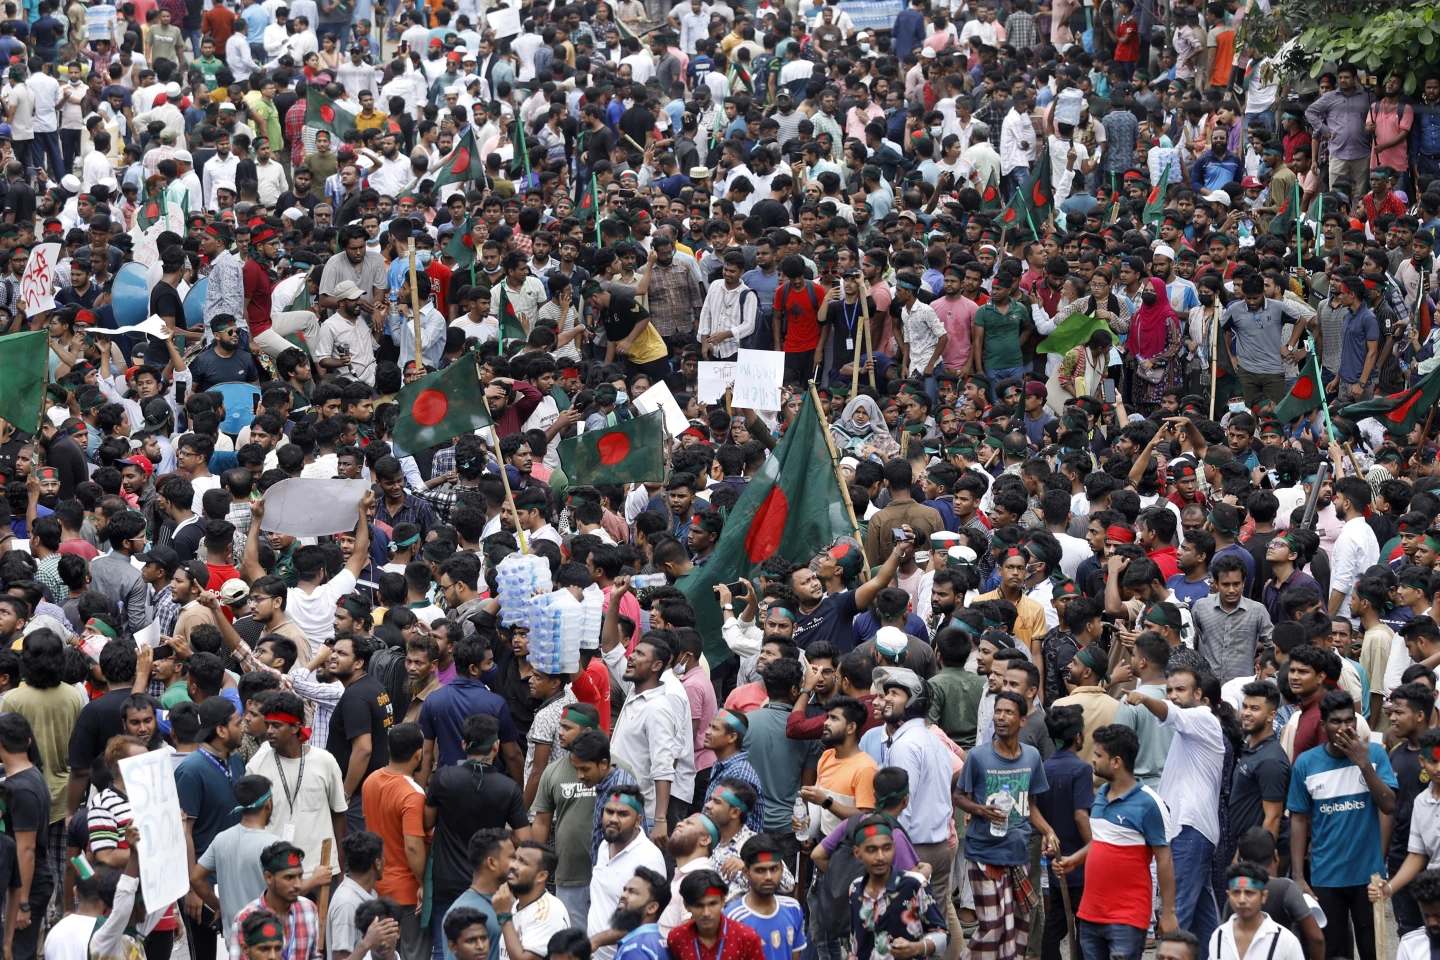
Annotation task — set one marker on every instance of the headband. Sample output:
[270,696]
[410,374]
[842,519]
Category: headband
[1120,534]
[715,892]
[1246,883]
[1157,614]
[784,612]
[710,827]
[760,856]
[265,933]
[284,860]
[280,716]
[957,622]
[883,800]
[1095,660]
[629,801]
[1066,735]
[355,608]
[728,795]
[907,285]
[581,719]
[259,802]
[1223,528]
[101,627]
[406,542]
[732,721]
[1416,581]
[1432,541]
[869,831]
[481,746]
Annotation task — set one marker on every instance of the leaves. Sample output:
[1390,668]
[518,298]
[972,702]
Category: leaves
[1379,36]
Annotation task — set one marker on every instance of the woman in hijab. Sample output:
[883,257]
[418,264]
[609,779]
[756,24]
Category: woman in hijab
[1155,344]
[861,427]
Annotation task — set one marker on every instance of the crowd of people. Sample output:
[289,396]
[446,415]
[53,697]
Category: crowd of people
[1122,339]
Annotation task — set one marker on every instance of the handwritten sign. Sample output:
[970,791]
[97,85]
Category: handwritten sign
[150,782]
[659,397]
[35,287]
[758,376]
[715,376]
[99,22]
[505,21]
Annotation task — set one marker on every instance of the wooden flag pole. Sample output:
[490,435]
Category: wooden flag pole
[1215,359]
[1353,461]
[509,495]
[1069,917]
[869,340]
[415,309]
[324,901]
[1379,907]
[839,475]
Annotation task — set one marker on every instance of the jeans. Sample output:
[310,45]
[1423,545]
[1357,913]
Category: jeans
[355,815]
[341,30]
[194,37]
[1194,897]
[1012,181]
[22,149]
[1367,390]
[438,909]
[575,896]
[996,374]
[1111,941]
[47,147]
[69,147]
[1346,908]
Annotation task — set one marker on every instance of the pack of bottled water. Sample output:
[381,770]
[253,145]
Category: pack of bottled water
[520,577]
[546,629]
[592,618]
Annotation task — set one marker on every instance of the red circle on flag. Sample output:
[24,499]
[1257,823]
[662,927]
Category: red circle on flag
[768,526]
[1009,215]
[613,448]
[990,194]
[429,407]
[1304,388]
[327,113]
[462,161]
[1038,195]
[152,210]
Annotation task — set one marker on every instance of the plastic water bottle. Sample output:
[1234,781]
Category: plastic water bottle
[393,320]
[593,618]
[1044,872]
[569,615]
[644,581]
[1006,802]
[802,817]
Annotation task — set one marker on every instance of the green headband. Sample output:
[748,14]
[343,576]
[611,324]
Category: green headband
[399,544]
[1415,581]
[481,746]
[1068,734]
[259,802]
[265,933]
[1096,661]
[907,285]
[732,721]
[283,860]
[1219,526]
[629,801]
[957,622]
[728,795]
[101,627]
[579,719]
[710,828]
[883,800]
[866,831]
[784,612]
[355,609]
[1157,614]
[1246,883]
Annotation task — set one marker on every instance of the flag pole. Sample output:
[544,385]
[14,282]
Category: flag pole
[859,339]
[1325,406]
[839,476]
[520,129]
[505,479]
[415,310]
[1215,359]
[595,202]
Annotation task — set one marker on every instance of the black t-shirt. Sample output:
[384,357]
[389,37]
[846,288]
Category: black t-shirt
[832,621]
[101,719]
[1260,774]
[598,144]
[775,213]
[9,450]
[186,540]
[20,199]
[65,455]
[209,368]
[637,123]
[464,808]
[308,203]
[1406,764]
[165,302]
[622,316]
[30,810]
[364,708]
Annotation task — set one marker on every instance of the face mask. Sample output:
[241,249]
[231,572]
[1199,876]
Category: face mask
[1149,298]
[422,257]
[935,131]
[621,397]
[1207,298]
[1237,407]
[864,48]
[679,669]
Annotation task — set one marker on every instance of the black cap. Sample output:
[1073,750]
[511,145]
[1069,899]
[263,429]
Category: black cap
[214,712]
[161,554]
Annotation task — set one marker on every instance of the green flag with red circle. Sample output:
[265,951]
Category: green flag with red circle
[440,406]
[629,452]
[322,113]
[793,508]
[1400,412]
[464,163]
[1306,396]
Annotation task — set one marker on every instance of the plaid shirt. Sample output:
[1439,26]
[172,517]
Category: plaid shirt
[444,497]
[413,510]
[618,777]
[739,768]
[675,299]
[1020,31]
[240,516]
[295,132]
[165,610]
[47,574]
[443,461]
[302,930]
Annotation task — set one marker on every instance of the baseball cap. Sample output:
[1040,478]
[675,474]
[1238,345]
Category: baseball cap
[161,555]
[234,591]
[214,712]
[348,290]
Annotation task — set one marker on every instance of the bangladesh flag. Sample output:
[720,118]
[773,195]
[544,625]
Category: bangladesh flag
[510,326]
[464,163]
[150,210]
[1155,202]
[792,508]
[1306,396]
[462,245]
[990,195]
[1284,220]
[322,113]
[1400,412]
[1070,333]
[439,406]
[629,452]
[1030,205]
[22,378]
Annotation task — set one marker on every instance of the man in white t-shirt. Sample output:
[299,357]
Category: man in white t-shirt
[311,604]
[534,915]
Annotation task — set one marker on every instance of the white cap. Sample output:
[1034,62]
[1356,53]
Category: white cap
[1217,196]
[70,183]
[454,88]
[293,213]
[891,641]
[1163,250]
[850,462]
[183,156]
[963,554]
[172,89]
[928,53]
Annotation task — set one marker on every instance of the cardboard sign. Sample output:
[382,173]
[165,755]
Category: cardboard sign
[758,376]
[505,21]
[35,286]
[659,397]
[715,376]
[164,869]
[313,507]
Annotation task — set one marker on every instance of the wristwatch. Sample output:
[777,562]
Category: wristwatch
[503,918]
[828,803]
[729,608]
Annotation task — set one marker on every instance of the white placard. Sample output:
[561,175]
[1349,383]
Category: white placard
[758,376]
[35,286]
[100,22]
[714,376]
[505,21]
[312,507]
[153,325]
[659,397]
[148,635]
[164,869]
[1068,106]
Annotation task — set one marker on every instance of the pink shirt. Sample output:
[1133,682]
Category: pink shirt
[702,708]
[629,607]
[1388,125]
[958,316]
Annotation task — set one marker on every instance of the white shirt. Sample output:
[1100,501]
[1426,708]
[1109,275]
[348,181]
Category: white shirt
[1356,550]
[642,67]
[70,938]
[1074,551]
[1061,177]
[219,172]
[537,923]
[96,168]
[1190,784]
[1015,130]
[524,47]
[392,175]
[726,309]
[237,56]
[1286,946]
[272,181]
[611,873]
[647,739]
[318,791]
[1415,945]
[47,100]
[314,612]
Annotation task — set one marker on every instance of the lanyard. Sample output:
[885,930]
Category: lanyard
[285,784]
[719,947]
[224,767]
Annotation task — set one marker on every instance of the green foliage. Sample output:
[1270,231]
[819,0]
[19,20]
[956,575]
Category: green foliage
[1379,39]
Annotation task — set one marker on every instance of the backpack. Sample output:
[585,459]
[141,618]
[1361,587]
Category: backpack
[387,665]
[785,305]
[829,897]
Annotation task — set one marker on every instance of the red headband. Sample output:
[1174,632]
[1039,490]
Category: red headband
[1120,534]
[279,717]
[714,892]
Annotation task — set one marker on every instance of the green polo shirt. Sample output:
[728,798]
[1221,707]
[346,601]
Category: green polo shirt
[1002,334]
[955,703]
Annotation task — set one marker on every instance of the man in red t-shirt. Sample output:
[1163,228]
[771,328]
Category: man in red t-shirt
[798,302]
[1127,40]
[258,282]
[709,934]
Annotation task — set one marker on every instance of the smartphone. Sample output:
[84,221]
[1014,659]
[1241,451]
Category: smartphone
[1107,387]
[737,588]
[255,404]
[899,534]
[180,394]
[164,652]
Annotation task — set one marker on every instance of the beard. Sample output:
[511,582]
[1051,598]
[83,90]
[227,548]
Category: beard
[49,500]
[626,920]
[682,844]
[521,888]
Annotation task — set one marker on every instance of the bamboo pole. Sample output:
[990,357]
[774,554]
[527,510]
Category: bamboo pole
[839,477]
[415,309]
[1379,908]
[324,901]
[869,339]
[509,494]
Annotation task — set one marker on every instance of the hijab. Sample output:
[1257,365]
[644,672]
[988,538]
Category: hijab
[847,417]
[1148,331]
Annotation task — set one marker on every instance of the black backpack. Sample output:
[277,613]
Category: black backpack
[829,897]
[387,665]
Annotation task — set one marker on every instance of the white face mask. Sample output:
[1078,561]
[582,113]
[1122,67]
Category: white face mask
[1238,407]
[864,48]
[935,131]
[621,397]
[422,257]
